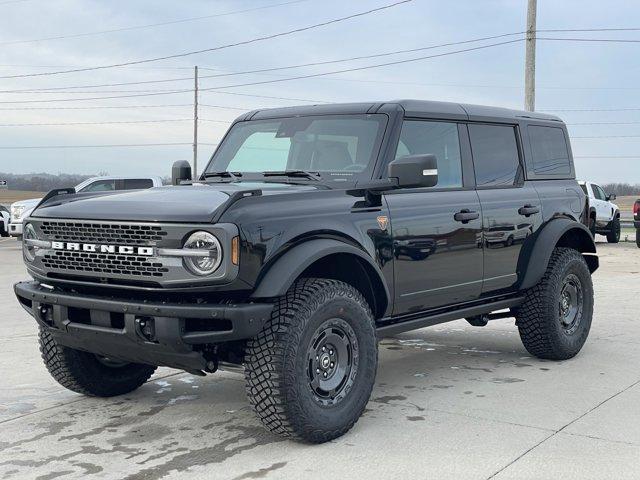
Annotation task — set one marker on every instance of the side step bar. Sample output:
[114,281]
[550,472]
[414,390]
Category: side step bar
[447,316]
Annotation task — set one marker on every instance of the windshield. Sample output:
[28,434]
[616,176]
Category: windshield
[339,147]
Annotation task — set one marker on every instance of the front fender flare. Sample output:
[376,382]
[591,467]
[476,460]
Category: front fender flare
[534,260]
[287,268]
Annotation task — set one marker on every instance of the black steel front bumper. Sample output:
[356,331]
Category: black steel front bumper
[144,332]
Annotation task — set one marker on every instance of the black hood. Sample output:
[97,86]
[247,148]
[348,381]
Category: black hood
[185,204]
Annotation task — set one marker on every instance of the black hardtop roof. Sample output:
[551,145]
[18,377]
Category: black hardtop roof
[412,108]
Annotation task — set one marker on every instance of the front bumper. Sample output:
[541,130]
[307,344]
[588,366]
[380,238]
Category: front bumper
[117,328]
[15,229]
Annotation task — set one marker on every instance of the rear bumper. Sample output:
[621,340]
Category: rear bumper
[116,327]
[15,229]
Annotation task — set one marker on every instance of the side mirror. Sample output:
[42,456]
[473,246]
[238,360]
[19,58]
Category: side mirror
[180,172]
[414,171]
[611,197]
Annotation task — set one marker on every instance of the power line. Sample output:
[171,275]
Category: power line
[100,107]
[590,110]
[602,123]
[138,27]
[270,69]
[221,47]
[217,89]
[601,40]
[30,147]
[53,124]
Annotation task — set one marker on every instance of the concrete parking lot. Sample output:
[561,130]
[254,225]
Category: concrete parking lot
[451,401]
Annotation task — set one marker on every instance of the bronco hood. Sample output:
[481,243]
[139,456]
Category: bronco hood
[199,203]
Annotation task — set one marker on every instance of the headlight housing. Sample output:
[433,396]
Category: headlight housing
[17,211]
[209,253]
[29,251]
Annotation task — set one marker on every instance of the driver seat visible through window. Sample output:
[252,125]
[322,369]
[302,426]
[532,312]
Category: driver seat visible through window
[330,155]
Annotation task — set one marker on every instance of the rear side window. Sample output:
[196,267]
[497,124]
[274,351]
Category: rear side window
[137,183]
[495,155]
[549,151]
[100,186]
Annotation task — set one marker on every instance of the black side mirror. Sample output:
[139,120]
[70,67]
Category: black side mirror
[180,172]
[611,197]
[414,171]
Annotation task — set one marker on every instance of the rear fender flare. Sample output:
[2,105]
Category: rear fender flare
[557,232]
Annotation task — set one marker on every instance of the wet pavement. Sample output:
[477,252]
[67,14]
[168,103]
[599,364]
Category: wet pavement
[451,401]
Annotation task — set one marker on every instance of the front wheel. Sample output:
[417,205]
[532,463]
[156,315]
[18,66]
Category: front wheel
[613,235]
[90,374]
[310,371]
[555,318]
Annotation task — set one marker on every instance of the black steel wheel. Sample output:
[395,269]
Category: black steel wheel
[310,372]
[555,318]
[332,359]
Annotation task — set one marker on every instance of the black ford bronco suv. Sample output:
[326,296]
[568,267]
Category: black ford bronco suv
[312,232]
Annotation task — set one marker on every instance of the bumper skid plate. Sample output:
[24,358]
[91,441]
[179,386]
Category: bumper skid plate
[137,331]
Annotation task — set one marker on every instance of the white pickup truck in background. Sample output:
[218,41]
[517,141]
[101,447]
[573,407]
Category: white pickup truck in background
[604,215]
[22,209]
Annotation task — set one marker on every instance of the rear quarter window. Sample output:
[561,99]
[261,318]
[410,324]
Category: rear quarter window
[137,183]
[549,151]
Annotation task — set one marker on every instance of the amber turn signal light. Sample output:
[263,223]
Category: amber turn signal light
[235,250]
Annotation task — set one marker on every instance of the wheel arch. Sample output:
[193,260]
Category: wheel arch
[559,232]
[327,258]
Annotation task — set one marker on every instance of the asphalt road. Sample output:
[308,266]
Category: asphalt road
[451,401]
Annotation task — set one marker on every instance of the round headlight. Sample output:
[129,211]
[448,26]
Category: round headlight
[209,248]
[29,233]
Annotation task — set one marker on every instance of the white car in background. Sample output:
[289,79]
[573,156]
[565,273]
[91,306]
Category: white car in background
[604,215]
[4,221]
[22,209]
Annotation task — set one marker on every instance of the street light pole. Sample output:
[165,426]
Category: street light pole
[530,59]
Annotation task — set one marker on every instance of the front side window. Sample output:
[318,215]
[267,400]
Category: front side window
[495,155]
[340,147]
[549,151]
[100,186]
[598,192]
[438,138]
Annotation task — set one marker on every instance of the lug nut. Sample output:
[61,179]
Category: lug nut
[323,349]
[330,352]
[325,374]
[331,365]
[317,370]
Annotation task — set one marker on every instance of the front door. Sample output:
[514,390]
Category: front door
[436,231]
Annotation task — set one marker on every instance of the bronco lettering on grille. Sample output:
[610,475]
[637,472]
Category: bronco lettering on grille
[97,248]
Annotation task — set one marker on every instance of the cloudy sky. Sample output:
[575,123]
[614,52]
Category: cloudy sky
[571,75]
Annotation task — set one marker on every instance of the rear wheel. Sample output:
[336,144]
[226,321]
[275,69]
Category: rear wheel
[90,374]
[613,235]
[310,372]
[555,318]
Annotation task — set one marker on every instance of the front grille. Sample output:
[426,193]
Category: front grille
[123,234]
[103,263]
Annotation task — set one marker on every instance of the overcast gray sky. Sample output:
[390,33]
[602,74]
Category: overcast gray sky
[570,75]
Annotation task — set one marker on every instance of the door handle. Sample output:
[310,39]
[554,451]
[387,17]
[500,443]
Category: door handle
[465,216]
[528,210]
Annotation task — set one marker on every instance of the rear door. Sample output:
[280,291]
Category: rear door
[510,206]
[437,251]
[603,209]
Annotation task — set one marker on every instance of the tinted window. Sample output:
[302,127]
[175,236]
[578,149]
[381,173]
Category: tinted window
[584,189]
[439,139]
[137,183]
[549,150]
[598,192]
[339,146]
[495,155]
[100,186]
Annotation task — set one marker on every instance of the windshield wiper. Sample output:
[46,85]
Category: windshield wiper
[232,175]
[294,173]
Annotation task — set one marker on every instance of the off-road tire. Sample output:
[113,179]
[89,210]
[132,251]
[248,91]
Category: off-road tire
[592,225]
[538,318]
[82,372]
[276,363]
[613,234]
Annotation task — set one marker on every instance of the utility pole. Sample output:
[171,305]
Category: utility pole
[530,59]
[195,124]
